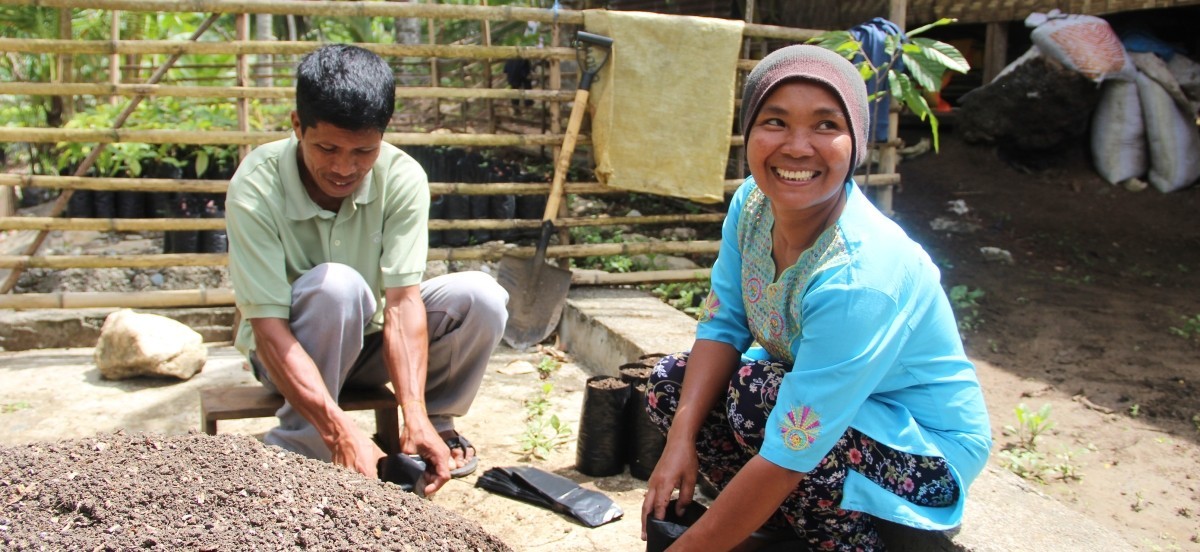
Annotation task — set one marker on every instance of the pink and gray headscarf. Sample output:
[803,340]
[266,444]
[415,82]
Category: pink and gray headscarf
[807,62]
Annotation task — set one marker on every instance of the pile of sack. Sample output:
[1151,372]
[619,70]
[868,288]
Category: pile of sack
[1144,127]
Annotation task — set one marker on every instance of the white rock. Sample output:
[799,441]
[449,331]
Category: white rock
[135,344]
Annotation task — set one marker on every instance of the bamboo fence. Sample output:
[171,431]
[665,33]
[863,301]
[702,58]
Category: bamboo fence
[470,57]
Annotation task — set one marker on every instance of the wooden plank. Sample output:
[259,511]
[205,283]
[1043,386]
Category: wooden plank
[253,401]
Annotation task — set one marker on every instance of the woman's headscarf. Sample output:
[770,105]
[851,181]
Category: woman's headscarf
[807,62]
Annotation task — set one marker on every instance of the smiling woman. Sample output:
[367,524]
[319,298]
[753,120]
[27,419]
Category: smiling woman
[828,384]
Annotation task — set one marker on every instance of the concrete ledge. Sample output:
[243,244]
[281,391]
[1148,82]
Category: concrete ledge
[62,328]
[604,328]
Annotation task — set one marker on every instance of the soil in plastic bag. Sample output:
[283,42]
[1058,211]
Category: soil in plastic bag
[600,450]
[646,441]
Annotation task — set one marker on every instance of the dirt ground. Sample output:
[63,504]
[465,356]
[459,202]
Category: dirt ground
[1087,318]
[1081,320]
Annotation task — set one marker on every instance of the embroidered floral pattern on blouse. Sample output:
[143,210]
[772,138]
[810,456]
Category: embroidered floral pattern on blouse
[754,288]
[800,427]
[773,311]
[711,305]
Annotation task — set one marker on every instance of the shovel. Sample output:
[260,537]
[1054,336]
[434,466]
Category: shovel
[536,290]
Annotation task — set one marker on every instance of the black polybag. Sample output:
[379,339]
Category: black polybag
[646,440]
[405,471]
[555,492]
[600,450]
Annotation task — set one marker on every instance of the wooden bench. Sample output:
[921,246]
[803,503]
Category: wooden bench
[254,401]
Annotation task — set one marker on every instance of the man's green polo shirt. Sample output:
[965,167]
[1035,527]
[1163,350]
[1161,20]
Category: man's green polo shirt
[277,233]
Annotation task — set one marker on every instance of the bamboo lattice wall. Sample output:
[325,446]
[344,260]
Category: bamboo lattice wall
[244,89]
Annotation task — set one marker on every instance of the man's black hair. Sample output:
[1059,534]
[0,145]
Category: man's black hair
[345,86]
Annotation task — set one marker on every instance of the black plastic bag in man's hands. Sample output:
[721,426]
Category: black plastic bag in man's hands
[551,491]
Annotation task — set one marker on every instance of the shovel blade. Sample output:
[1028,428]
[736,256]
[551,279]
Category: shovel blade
[536,294]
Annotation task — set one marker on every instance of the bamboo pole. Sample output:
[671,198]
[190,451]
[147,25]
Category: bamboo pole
[489,252]
[278,93]
[234,137]
[495,250]
[437,188]
[163,225]
[114,60]
[486,29]
[60,204]
[65,65]
[235,47]
[334,8]
[110,225]
[435,80]
[134,300]
[243,75]
[127,184]
[166,260]
[601,278]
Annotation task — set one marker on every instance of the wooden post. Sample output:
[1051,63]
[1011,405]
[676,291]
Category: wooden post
[489,105]
[435,80]
[741,155]
[555,84]
[995,50]
[888,154]
[243,76]
[114,60]
[66,63]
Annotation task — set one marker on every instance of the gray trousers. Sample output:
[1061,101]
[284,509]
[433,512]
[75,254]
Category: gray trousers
[331,308]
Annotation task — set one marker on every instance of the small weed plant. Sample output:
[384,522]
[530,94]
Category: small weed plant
[966,304]
[1190,329]
[543,434]
[684,296]
[1023,457]
[1030,425]
[9,408]
[547,367]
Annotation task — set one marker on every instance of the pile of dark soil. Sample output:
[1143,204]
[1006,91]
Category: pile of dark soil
[198,492]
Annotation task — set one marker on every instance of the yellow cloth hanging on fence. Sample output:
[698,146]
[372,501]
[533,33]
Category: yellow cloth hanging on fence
[663,108]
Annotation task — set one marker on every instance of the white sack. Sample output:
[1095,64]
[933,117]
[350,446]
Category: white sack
[1118,135]
[1172,136]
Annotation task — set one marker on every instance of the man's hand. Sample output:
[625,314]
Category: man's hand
[420,438]
[354,450]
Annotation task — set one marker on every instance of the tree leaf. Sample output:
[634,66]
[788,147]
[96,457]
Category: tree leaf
[201,163]
[943,53]
[926,73]
[923,28]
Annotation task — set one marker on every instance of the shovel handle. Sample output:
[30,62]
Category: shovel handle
[564,155]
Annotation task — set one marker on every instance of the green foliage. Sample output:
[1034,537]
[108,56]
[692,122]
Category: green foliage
[966,306]
[547,367]
[684,296]
[1030,425]
[613,263]
[925,62]
[9,408]
[543,435]
[162,113]
[1023,457]
[1190,329]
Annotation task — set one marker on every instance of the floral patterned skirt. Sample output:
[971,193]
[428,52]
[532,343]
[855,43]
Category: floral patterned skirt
[733,433]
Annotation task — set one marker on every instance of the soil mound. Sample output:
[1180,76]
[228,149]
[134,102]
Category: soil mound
[197,492]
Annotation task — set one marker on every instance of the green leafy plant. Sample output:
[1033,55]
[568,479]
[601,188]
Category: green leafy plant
[925,61]
[1030,425]
[1190,329]
[542,435]
[9,408]
[966,304]
[1023,457]
[684,296]
[547,367]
